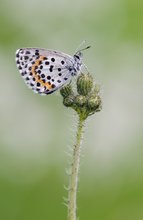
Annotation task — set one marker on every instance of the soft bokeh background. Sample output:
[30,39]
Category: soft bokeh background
[35,131]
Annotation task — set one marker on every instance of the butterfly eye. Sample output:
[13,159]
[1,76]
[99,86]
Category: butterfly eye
[77,56]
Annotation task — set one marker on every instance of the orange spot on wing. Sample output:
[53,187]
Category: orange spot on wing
[37,78]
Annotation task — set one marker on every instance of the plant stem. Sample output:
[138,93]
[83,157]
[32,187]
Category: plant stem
[73,182]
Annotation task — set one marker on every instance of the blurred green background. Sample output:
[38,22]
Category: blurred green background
[35,131]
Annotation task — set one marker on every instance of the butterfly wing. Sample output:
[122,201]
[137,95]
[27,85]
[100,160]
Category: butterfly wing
[44,71]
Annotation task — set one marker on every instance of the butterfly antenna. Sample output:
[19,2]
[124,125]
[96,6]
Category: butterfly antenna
[81,44]
[84,48]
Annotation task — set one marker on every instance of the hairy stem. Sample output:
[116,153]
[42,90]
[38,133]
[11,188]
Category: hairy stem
[73,182]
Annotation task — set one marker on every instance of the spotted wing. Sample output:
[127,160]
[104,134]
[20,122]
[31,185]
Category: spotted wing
[44,71]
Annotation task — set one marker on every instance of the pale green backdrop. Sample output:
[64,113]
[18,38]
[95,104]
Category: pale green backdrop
[35,131]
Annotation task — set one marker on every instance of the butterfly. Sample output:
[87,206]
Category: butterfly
[45,71]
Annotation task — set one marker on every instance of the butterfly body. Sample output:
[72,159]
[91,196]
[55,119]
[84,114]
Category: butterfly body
[45,71]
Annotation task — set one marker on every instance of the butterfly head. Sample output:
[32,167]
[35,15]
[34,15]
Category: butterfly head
[77,62]
[78,55]
[78,59]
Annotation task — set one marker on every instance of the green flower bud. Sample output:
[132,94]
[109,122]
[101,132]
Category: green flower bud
[68,101]
[87,101]
[66,91]
[80,100]
[84,84]
[94,103]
